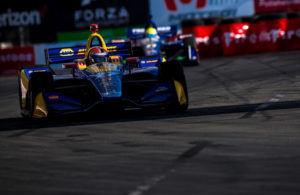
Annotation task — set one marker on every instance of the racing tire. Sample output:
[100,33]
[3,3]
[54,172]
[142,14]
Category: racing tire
[26,109]
[38,82]
[23,110]
[172,71]
[190,43]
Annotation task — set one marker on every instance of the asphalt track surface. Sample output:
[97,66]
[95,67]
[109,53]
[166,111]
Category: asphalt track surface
[241,135]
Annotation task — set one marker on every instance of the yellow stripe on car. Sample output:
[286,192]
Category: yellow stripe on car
[24,87]
[40,109]
[180,92]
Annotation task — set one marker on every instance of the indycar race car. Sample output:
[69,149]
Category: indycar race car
[153,40]
[81,79]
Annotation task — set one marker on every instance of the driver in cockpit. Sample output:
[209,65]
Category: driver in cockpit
[151,42]
[98,55]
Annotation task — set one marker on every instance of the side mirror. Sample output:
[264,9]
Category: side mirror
[132,60]
[69,65]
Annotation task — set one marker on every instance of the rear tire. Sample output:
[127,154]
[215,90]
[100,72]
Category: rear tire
[25,110]
[190,43]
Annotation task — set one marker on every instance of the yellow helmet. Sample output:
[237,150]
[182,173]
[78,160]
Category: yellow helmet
[151,32]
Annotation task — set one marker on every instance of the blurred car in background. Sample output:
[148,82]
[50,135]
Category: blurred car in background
[163,40]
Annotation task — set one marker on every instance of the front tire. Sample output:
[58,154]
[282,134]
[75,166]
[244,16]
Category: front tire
[172,71]
[39,83]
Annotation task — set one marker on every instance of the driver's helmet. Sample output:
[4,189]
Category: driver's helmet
[151,32]
[98,55]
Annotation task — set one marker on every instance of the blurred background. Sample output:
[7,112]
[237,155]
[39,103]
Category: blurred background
[221,27]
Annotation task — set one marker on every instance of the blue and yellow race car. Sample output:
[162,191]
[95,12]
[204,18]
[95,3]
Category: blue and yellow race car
[81,79]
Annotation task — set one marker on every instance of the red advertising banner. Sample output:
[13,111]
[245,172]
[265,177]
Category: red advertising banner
[11,59]
[208,36]
[292,34]
[264,6]
[208,39]
[234,36]
[267,33]
[172,12]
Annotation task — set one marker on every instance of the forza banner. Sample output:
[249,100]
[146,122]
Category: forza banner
[263,6]
[172,12]
[79,14]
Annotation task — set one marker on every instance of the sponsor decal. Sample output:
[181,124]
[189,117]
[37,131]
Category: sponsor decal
[112,49]
[53,97]
[151,61]
[274,35]
[265,36]
[24,18]
[66,52]
[81,52]
[31,71]
[172,12]
[262,6]
[110,16]
[173,6]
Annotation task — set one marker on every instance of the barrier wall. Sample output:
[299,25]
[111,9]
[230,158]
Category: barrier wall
[261,33]
[11,59]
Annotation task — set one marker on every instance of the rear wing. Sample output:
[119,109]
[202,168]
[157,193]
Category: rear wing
[163,32]
[61,55]
[123,49]
[69,54]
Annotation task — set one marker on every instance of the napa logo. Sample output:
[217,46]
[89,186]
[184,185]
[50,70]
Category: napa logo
[66,52]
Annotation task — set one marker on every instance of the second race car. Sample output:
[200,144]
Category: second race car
[165,41]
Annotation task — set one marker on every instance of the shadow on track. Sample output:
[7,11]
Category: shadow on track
[10,124]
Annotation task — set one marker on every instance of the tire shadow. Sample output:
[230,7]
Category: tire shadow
[18,123]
